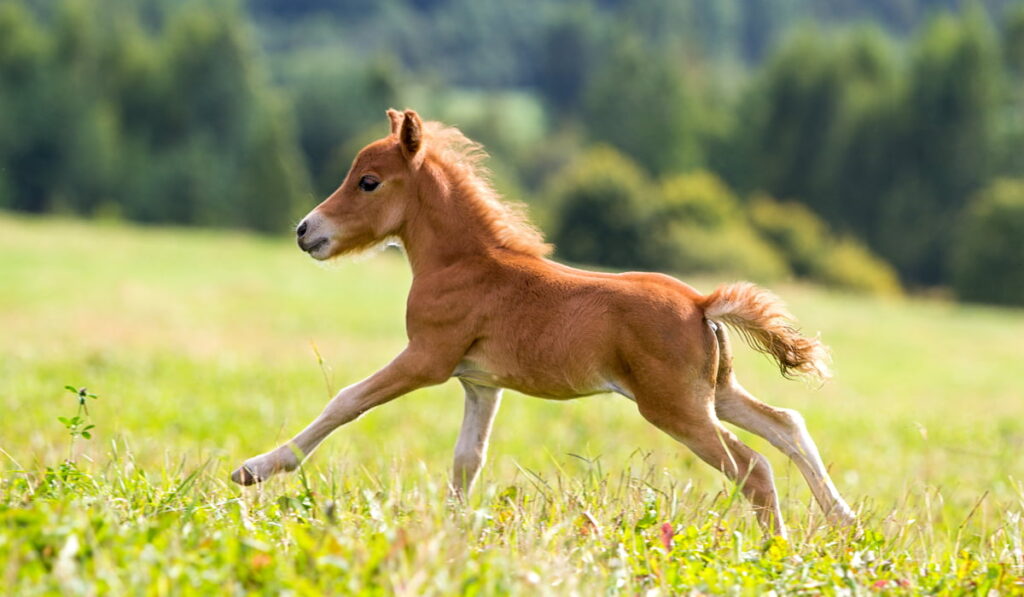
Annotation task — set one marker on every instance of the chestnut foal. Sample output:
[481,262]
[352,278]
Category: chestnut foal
[486,307]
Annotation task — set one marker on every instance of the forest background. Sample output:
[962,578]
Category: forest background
[875,146]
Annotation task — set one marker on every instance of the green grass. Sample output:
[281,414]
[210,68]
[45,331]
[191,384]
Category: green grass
[202,347]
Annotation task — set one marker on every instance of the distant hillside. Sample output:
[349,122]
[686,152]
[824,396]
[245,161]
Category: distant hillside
[489,43]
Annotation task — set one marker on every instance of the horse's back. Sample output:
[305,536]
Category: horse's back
[575,332]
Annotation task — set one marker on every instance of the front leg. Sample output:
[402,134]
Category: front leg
[407,372]
[471,449]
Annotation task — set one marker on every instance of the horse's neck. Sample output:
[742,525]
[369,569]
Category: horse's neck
[445,228]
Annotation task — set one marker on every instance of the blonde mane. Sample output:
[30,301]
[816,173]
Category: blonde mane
[505,220]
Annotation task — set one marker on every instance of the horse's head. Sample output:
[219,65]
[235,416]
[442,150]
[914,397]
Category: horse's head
[373,201]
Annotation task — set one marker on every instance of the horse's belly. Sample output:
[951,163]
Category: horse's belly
[549,384]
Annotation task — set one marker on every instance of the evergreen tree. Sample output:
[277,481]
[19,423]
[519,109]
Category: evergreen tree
[946,150]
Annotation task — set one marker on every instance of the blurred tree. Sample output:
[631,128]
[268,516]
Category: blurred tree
[490,44]
[859,161]
[1013,39]
[228,144]
[335,101]
[699,227]
[832,126]
[946,146]
[988,256]
[172,121]
[602,204]
[700,198]
[799,235]
[570,50]
[476,43]
[274,174]
[761,21]
[814,253]
[786,119]
[295,9]
[1010,125]
[27,139]
[211,75]
[849,265]
[164,111]
[820,115]
[637,102]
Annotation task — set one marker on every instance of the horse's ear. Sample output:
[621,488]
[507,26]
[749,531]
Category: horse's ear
[411,134]
[396,118]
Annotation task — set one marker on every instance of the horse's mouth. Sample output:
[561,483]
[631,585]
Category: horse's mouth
[316,246]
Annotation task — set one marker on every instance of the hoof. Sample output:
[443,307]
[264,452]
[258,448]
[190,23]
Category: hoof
[244,476]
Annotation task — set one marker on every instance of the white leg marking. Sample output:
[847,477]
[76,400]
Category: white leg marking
[471,449]
[397,378]
[784,429]
[346,406]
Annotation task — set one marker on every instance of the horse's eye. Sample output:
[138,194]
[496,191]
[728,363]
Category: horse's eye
[368,184]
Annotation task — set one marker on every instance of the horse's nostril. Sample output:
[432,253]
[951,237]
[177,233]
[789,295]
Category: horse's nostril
[301,229]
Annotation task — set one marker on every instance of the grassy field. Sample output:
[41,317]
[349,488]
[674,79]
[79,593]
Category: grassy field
[202,347]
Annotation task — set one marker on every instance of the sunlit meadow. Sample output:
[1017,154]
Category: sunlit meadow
[207,347]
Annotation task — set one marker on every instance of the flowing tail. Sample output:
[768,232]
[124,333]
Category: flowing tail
[763,321]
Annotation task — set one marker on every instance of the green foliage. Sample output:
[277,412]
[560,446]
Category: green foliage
[607,213]
[819,116]
[571,43]
[230,114]
[948,120]
[792,228]
[1013,39]
[701,228]
[637,102]
[733,250]
[336,101]
[603,204]
[813,252]
[78,426]
[848,264]
[175,123]
[700,198]
[988,264]
[871,143]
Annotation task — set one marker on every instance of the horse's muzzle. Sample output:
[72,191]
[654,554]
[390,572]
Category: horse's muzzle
[312,246]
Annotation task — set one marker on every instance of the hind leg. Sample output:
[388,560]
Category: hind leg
[784,429]
[691,420]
